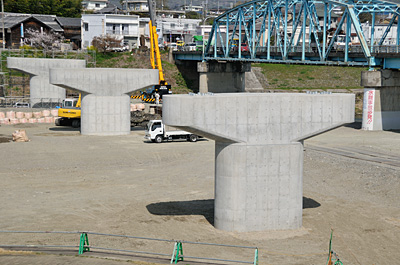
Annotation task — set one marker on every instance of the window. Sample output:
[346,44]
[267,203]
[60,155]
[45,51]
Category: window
[186,26]
[97,5]
[112,28]
[172,25]
[86,26]
[125,29]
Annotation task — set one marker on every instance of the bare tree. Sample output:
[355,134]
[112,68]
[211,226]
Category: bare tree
[43,40]
[106,43]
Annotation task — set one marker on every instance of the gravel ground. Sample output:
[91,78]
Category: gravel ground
[63,181]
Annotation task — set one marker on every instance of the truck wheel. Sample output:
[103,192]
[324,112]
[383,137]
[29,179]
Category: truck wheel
[76,123]
[193,138]
[158,139]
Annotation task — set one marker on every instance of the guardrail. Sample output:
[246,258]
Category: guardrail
[177,254]
[27,102]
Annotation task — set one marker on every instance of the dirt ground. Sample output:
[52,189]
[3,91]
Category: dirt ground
[63,181]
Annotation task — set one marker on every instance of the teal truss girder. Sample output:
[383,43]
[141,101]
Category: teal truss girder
[303,30]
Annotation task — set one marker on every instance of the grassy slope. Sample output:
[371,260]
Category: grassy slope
[285,76]
[142,60]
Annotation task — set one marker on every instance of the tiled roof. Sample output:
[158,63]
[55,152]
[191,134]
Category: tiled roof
[69,21]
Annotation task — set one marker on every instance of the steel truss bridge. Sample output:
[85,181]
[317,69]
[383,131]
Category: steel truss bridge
[292,31]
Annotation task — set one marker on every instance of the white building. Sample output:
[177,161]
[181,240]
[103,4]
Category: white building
[144,30]
[191,8]
[94,4]
[135,5]
[173,29]
[122,26]
[378,33]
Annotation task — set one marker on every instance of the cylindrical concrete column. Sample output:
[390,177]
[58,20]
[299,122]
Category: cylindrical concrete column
[105,115]
[381,110]
[258,187]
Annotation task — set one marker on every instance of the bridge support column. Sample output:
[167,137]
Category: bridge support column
[41,91]
[258,150]
[381,109]
[224,77]
[105,100]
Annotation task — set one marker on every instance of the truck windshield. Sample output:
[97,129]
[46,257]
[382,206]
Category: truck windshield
[156,125]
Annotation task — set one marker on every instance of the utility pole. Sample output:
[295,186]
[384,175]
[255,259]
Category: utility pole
[2,22]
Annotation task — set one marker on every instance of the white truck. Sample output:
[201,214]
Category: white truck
[157,132]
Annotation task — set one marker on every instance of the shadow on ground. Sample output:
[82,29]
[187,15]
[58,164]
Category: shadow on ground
[354,125]
[64,129]
[201,207]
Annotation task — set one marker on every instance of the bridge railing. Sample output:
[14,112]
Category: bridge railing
[312,49]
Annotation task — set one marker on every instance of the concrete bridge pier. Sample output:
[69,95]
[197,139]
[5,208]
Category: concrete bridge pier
[222,77]
[381,109]
[258,150]
[105,95]
[40,88]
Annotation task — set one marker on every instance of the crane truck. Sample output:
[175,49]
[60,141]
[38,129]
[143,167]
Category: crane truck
[155,59]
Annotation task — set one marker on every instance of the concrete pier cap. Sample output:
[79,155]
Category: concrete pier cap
[105,100]
[40,88]
[258,150]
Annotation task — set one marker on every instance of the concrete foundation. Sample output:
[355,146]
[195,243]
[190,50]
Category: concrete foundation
[381,100]
[105,99]
[40,88]
[252,84]
[258,150]
[222,77]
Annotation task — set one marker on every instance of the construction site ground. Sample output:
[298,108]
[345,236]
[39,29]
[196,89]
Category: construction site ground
[124,185]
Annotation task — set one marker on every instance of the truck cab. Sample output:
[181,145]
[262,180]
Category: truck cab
[157,132]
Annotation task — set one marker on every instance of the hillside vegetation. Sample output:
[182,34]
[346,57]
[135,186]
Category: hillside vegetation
[276,76]
[286,76]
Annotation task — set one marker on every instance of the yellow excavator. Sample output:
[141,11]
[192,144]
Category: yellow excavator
[163,87]
[70,113]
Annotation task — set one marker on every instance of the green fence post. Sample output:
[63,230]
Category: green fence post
[177,255]
[256,257]
[83,243]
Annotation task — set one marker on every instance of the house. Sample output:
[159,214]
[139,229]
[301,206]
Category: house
[135,5]
[173,29]
[94,4]
[16,26]
[191,8]
[144,31]
[379,31]
[72,30]
[120,26]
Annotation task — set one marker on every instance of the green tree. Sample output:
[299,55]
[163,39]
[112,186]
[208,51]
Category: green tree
[192,15]
[63,8]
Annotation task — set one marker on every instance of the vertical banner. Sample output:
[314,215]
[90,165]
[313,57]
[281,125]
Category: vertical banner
[368,109]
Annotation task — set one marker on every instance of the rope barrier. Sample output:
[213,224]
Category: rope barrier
[177,254]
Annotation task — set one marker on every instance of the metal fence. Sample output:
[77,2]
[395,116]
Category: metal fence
[27,102]
[176,256]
